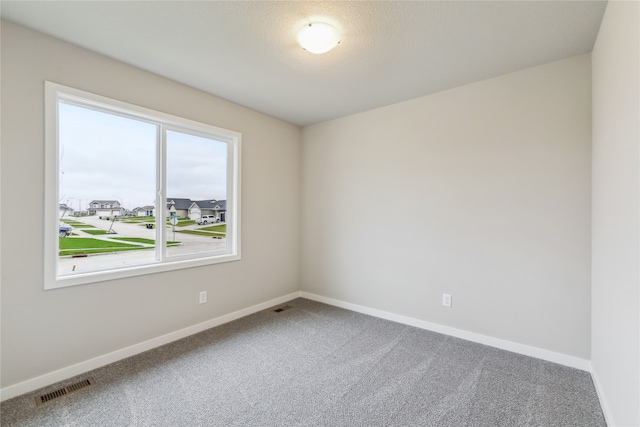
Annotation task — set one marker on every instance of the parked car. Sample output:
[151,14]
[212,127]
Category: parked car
[65,231]
[207,219]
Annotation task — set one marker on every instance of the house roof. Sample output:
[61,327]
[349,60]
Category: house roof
[390,51]
[211,204]
[102,202]
[144,208]
[179,203]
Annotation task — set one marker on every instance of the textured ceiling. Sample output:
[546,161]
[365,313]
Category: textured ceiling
[391,51]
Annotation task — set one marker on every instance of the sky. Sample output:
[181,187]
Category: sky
[108,157]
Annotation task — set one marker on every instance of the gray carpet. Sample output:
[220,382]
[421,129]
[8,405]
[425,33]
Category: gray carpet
[318,365]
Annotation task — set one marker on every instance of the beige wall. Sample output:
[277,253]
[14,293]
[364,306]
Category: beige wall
[615,326]
[482,192]
[44,331]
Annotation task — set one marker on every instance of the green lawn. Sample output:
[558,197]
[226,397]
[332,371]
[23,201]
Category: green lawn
[94,232]
[142,220]
[222,228]
[142,240]
[136,240]
[138,219]
[202,233]
[77,224]
[87,245]
[182,222]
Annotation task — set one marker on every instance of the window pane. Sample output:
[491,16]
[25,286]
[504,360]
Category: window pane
[106,170]
[196,194]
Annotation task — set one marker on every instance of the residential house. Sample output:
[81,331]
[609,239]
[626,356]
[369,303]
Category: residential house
[64,210]
[105,208]
[144,211]
[218,208]
[178,206]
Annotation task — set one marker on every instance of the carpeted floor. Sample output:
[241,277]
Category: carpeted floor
[318,365]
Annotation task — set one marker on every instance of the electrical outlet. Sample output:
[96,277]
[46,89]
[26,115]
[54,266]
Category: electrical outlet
[203,297]
[446,300]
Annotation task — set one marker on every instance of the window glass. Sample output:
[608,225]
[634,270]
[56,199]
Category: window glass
[197,176]
[103,158]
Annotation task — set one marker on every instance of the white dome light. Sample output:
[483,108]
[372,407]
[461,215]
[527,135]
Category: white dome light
[318,37]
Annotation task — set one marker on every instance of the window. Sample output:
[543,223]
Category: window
[153,192]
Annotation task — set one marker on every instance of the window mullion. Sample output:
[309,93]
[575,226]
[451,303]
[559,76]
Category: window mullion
[161,202]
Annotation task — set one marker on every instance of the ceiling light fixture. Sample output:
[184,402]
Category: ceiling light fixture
[318,37]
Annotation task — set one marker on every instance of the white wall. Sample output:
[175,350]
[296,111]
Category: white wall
[615,348]
[44,331]
[482,192]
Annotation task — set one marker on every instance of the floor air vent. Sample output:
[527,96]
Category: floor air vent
[281,309]
[56,394]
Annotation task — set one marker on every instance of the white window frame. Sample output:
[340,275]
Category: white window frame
[53,94]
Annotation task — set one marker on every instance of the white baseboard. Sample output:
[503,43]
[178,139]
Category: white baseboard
[551,356]
[97,362]
[601,397]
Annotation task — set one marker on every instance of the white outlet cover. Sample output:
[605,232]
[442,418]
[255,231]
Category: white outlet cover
[446,300]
